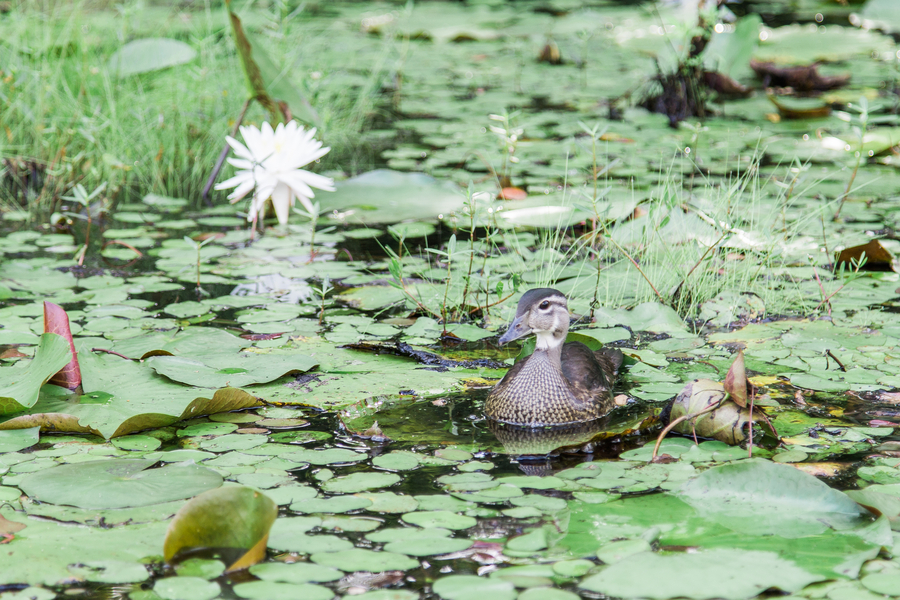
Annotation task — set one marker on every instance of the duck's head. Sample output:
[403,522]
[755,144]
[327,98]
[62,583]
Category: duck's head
[543,312]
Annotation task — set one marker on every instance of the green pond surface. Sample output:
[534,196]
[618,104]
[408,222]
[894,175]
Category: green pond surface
[340,368]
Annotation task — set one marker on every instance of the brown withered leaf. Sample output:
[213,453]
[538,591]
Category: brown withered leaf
[10,527]
[550,54]
[878,258]
[802,78]
[724,85]
[56,320]
[512,193]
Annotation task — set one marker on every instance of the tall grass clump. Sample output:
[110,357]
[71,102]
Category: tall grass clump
[67,120]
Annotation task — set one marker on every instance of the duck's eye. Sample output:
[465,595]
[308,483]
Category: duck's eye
[544,305]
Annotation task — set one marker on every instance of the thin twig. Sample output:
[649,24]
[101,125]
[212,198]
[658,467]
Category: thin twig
[504,299]
[840,364]
[110,352]
[672,424]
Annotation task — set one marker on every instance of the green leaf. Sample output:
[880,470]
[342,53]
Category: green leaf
[758,497]
[266,83]
[357,559]
[118,483]
[385,196]
[19,439]
[723,573]
[20,384]
[360,482]
[149,54]
[471,587]
[122,397]
[43,551]
[227,517]
[213,370]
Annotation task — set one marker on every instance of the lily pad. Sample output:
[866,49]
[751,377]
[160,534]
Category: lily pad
[230,370]
[358,559]
[122,397]
[21,384]
[149,54]
[228,517]
[385,196]
[360,482]
[710,574]
[118,483]
[758,497]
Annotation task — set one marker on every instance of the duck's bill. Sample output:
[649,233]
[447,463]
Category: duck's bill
[517,329]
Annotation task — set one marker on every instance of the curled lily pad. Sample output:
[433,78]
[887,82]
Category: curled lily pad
[229,517]
[118,483]
[21,384]
[728,423]
[121,397]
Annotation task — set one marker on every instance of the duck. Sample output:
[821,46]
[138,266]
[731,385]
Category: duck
[559,383]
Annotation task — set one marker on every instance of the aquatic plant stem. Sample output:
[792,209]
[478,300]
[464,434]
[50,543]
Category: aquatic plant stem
[224,154]
[680,419]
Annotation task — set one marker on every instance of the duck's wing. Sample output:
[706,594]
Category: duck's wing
[588,370]
[611,361]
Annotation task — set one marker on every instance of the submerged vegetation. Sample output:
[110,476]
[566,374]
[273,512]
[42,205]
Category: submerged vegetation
[298,411]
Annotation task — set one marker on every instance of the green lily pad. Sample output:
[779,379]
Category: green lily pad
[384,196]
[272,590]
[110,571]
[719,573]
[326,456]
[19,439]
[358,559]
[227,517]
[20,384]
[230,370]
[470,587]
[118,483]
[758,497]
[336,504]
[439,518]
[180,588]
[295,572]
[360,482]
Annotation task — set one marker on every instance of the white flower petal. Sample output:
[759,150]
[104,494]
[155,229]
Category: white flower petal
[239,149]
[282,199]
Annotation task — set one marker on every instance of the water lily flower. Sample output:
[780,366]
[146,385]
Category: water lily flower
[270,167]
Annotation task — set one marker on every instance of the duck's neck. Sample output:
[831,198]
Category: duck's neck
[550,342]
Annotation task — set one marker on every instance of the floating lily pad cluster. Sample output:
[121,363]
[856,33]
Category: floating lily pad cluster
[345,507]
